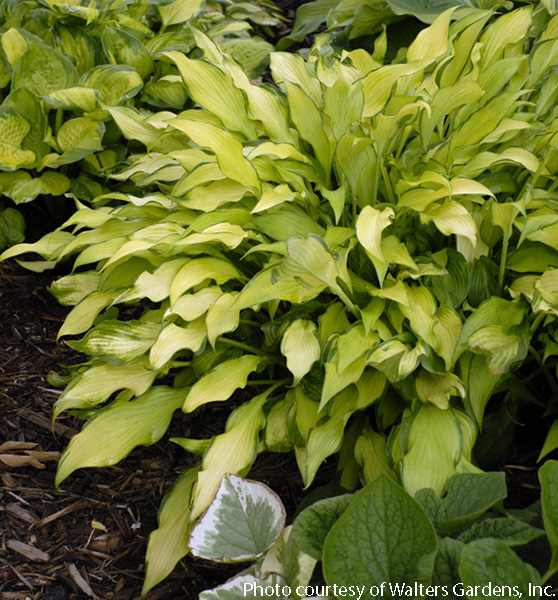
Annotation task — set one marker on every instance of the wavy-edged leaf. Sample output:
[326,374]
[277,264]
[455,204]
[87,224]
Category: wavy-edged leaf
[220,383]
[114,431]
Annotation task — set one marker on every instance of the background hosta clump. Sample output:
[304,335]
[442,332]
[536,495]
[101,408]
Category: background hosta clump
[64,63]
[369,249]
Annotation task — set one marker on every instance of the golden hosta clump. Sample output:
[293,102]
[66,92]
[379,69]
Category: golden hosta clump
[368,247]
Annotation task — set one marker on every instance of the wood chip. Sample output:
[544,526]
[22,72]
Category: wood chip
[65,511]
[42,421]
[30,552]
[17,511]
[76,577]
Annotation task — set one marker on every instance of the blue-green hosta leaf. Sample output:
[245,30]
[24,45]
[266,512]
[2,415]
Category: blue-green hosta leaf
[99,382]
[251,53]
[169,542]
[117,429]
[548,477]
[174,338]
[226,146]
[491,563]
[396,541]
[115,83]
[220,383]
[118,342]
[244,520]
[42,70]
[425,10]
[123,48]
[309,17]
[300,347]
[231,452]
[215,91]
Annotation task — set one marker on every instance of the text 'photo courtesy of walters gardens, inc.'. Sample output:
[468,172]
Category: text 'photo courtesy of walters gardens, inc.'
[396,590]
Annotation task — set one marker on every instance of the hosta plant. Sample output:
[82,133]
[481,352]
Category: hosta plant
[382,542]
[369,250]
[12,227]
[63,63]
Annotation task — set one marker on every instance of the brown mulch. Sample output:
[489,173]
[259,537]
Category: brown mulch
[52,542]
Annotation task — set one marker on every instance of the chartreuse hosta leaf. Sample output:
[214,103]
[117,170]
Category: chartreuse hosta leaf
[300,347]
[231,452]
[220,383]
[243,521]
[169,542]
[115,430]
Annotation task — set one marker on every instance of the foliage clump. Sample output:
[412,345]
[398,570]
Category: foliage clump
[367,246]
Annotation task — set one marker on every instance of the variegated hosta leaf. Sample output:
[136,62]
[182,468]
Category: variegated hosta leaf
[243,521]
[116,342]
[240,586]
[115,430]
[98,383]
